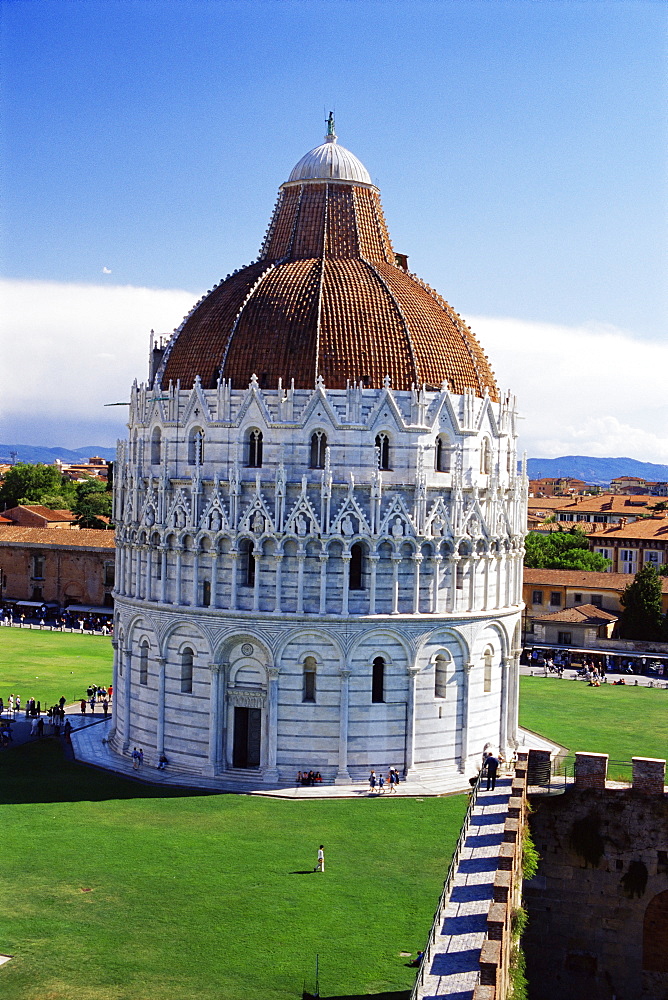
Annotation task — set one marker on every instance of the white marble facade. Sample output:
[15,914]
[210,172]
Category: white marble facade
[317,579]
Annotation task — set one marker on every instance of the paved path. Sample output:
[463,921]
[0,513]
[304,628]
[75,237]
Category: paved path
[455,960]
[89,747]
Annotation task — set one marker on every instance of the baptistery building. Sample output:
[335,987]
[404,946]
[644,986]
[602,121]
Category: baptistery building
[320,517]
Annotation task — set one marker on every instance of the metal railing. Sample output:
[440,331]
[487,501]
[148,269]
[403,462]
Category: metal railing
[447,889]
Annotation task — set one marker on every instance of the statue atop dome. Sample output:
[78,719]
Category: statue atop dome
[331,133]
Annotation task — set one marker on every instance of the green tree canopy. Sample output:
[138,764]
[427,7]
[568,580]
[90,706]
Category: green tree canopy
[562,550]
[93,502]
[642,617]
[43,484]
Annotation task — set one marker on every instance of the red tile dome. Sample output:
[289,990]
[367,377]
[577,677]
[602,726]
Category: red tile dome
[326,298]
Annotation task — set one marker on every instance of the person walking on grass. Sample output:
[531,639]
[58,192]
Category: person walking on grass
[320,867]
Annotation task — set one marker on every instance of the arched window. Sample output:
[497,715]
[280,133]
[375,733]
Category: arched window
[487,681]
[255,449]
[143,662]
[187,657]
[485,457]
[206,593]
[378,680]
[308,690]
[383,451]
[134,446]
[318,449]
[442,463]
[440,676]
[196,447]
[356,567]
[247,563]
[156,446]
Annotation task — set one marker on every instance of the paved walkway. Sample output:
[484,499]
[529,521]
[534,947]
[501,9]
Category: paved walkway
[455,961]
[90,746]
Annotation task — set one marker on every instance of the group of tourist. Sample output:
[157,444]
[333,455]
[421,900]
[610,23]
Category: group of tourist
[309,777]
[377,781]
[70,619]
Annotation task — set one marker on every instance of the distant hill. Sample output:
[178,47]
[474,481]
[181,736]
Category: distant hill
[597,471]
[34,453]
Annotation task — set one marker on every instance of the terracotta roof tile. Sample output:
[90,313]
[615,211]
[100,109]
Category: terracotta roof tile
[327,298]
[583,614]
[84,538]
[581,579]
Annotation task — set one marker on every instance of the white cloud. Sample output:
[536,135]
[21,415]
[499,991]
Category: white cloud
[67,349]
[588,390]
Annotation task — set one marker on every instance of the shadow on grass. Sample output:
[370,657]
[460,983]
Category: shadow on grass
[39,772]
[304,871]
[394,995]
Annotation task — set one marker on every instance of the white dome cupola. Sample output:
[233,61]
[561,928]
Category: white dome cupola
[330,161]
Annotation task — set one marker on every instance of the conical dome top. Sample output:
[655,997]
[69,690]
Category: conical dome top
[327,298]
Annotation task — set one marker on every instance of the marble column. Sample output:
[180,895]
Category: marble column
[177,579]
[454,591]
[271,771]
[160,698]
[437,560]
[409,765]
[234,557]
[163,574]
[114,680]
[373,564]
[466,715]
[301,558]
[127,695]
[256,582]
[506,664]
[342,775]
[148,571]
[214,578]
[417,561]
[278,559]
[513,696]
[323,582]
[194,599]
[396,560]
[346,582]
[215,717]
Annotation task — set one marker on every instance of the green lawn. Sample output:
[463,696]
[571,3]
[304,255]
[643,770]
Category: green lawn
[46,665]
[196,897]
[623,722]
[208,896]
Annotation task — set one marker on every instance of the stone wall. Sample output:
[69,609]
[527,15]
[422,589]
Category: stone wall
[598,908]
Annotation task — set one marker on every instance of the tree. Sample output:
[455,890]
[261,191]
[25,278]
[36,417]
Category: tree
[642,617]
[42,484]
[562,550]
[93,502]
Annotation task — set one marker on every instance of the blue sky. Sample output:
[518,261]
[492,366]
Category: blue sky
[520,149]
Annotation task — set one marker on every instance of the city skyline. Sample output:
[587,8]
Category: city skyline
[519,150]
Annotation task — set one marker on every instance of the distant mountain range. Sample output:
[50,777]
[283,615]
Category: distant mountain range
[34,453]
[597,471]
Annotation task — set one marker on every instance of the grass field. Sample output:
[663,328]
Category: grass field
[113,890]
[208,896]
[46,665]
[623,722]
